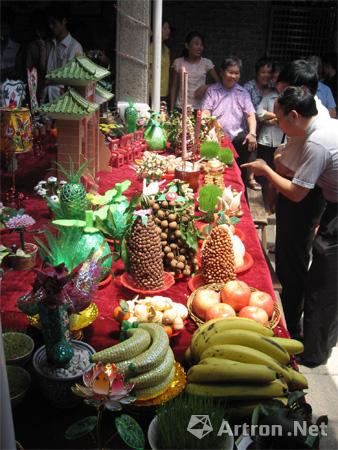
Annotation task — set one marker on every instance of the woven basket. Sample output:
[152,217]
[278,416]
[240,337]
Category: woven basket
[276,315]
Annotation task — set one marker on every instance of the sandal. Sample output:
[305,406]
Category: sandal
[252,184]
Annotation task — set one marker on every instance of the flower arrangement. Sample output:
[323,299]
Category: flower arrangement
[7,212]
[19,223]
[50,189]
[105,388]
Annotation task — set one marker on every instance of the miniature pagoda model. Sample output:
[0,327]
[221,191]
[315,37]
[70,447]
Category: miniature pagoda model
[77,113]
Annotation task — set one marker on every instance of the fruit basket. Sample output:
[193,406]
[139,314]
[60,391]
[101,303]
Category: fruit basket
[273,322]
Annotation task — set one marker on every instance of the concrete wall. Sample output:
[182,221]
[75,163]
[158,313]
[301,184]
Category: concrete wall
[237,27]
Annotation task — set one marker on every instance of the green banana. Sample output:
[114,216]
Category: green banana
[137,343]
[154,391]
[156,375]
[247,339]
[230,371]
[238,391]
[151,357]
[245,355]
[292,346]
[206,331]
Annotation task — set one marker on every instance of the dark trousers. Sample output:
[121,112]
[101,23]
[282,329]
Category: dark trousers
[265,152]
[321,298]
[295,231]
[244,155]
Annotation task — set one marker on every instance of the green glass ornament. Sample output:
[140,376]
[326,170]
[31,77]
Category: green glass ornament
[56,335]
[130,117]
[93,239]
[155,136]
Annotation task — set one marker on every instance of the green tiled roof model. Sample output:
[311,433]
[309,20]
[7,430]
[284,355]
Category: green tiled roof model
[102,95]
[79,71]
[71,105]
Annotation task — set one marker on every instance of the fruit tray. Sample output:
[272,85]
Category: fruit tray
[273,322]
[128,282]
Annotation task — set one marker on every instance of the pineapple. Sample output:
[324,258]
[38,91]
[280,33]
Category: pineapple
[73,200]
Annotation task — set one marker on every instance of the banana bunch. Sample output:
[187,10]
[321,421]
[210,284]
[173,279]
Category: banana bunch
[239,359]
[145,359]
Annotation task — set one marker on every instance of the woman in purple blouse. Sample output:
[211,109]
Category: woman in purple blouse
[231,104]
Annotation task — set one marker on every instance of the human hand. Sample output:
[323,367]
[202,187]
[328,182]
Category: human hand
[251,141]
[258,167]
[199,93]
[272,121]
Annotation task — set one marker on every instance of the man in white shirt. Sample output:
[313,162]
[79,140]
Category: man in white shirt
[297,116]
[63,48]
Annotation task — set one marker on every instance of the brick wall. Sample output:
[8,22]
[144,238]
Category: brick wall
[238,27]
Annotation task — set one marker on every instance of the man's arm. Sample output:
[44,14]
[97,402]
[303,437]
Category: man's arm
[292,191]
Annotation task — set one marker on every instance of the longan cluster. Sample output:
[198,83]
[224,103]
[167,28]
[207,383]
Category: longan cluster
[145,254]
[178,258]
[218,260]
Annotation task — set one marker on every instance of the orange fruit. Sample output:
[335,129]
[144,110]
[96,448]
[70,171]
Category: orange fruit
[120,315]
[168,330]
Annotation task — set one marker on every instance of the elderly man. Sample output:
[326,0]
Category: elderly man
[297,116]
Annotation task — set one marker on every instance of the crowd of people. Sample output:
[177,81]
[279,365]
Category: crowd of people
[285,116]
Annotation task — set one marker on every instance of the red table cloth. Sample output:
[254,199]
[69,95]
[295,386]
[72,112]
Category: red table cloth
[104,331]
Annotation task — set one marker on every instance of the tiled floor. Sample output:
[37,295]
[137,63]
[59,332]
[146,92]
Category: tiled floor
[323,381]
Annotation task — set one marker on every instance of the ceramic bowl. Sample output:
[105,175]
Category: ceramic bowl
[57,389]
[19,381]
[23,347]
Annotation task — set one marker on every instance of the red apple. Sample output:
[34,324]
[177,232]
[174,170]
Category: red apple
[204,300]
[219,310]
[255,313]
[236,294]
[263,300]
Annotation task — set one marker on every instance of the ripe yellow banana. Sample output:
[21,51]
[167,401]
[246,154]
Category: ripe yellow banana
[292,346]
[298,380]
[230,371]
[248,339]
[245,355]
[238,391]
[213,327]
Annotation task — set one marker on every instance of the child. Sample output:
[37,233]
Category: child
[197,67]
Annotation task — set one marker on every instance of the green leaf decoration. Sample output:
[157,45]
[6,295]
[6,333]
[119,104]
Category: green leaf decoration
[124,306]
[234,220]
[124,255]
[81,428]
[69,223]
[61,248]
[102,212]
[294,397]
[144,220]
[172,188]
[161,197]
[130,431]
